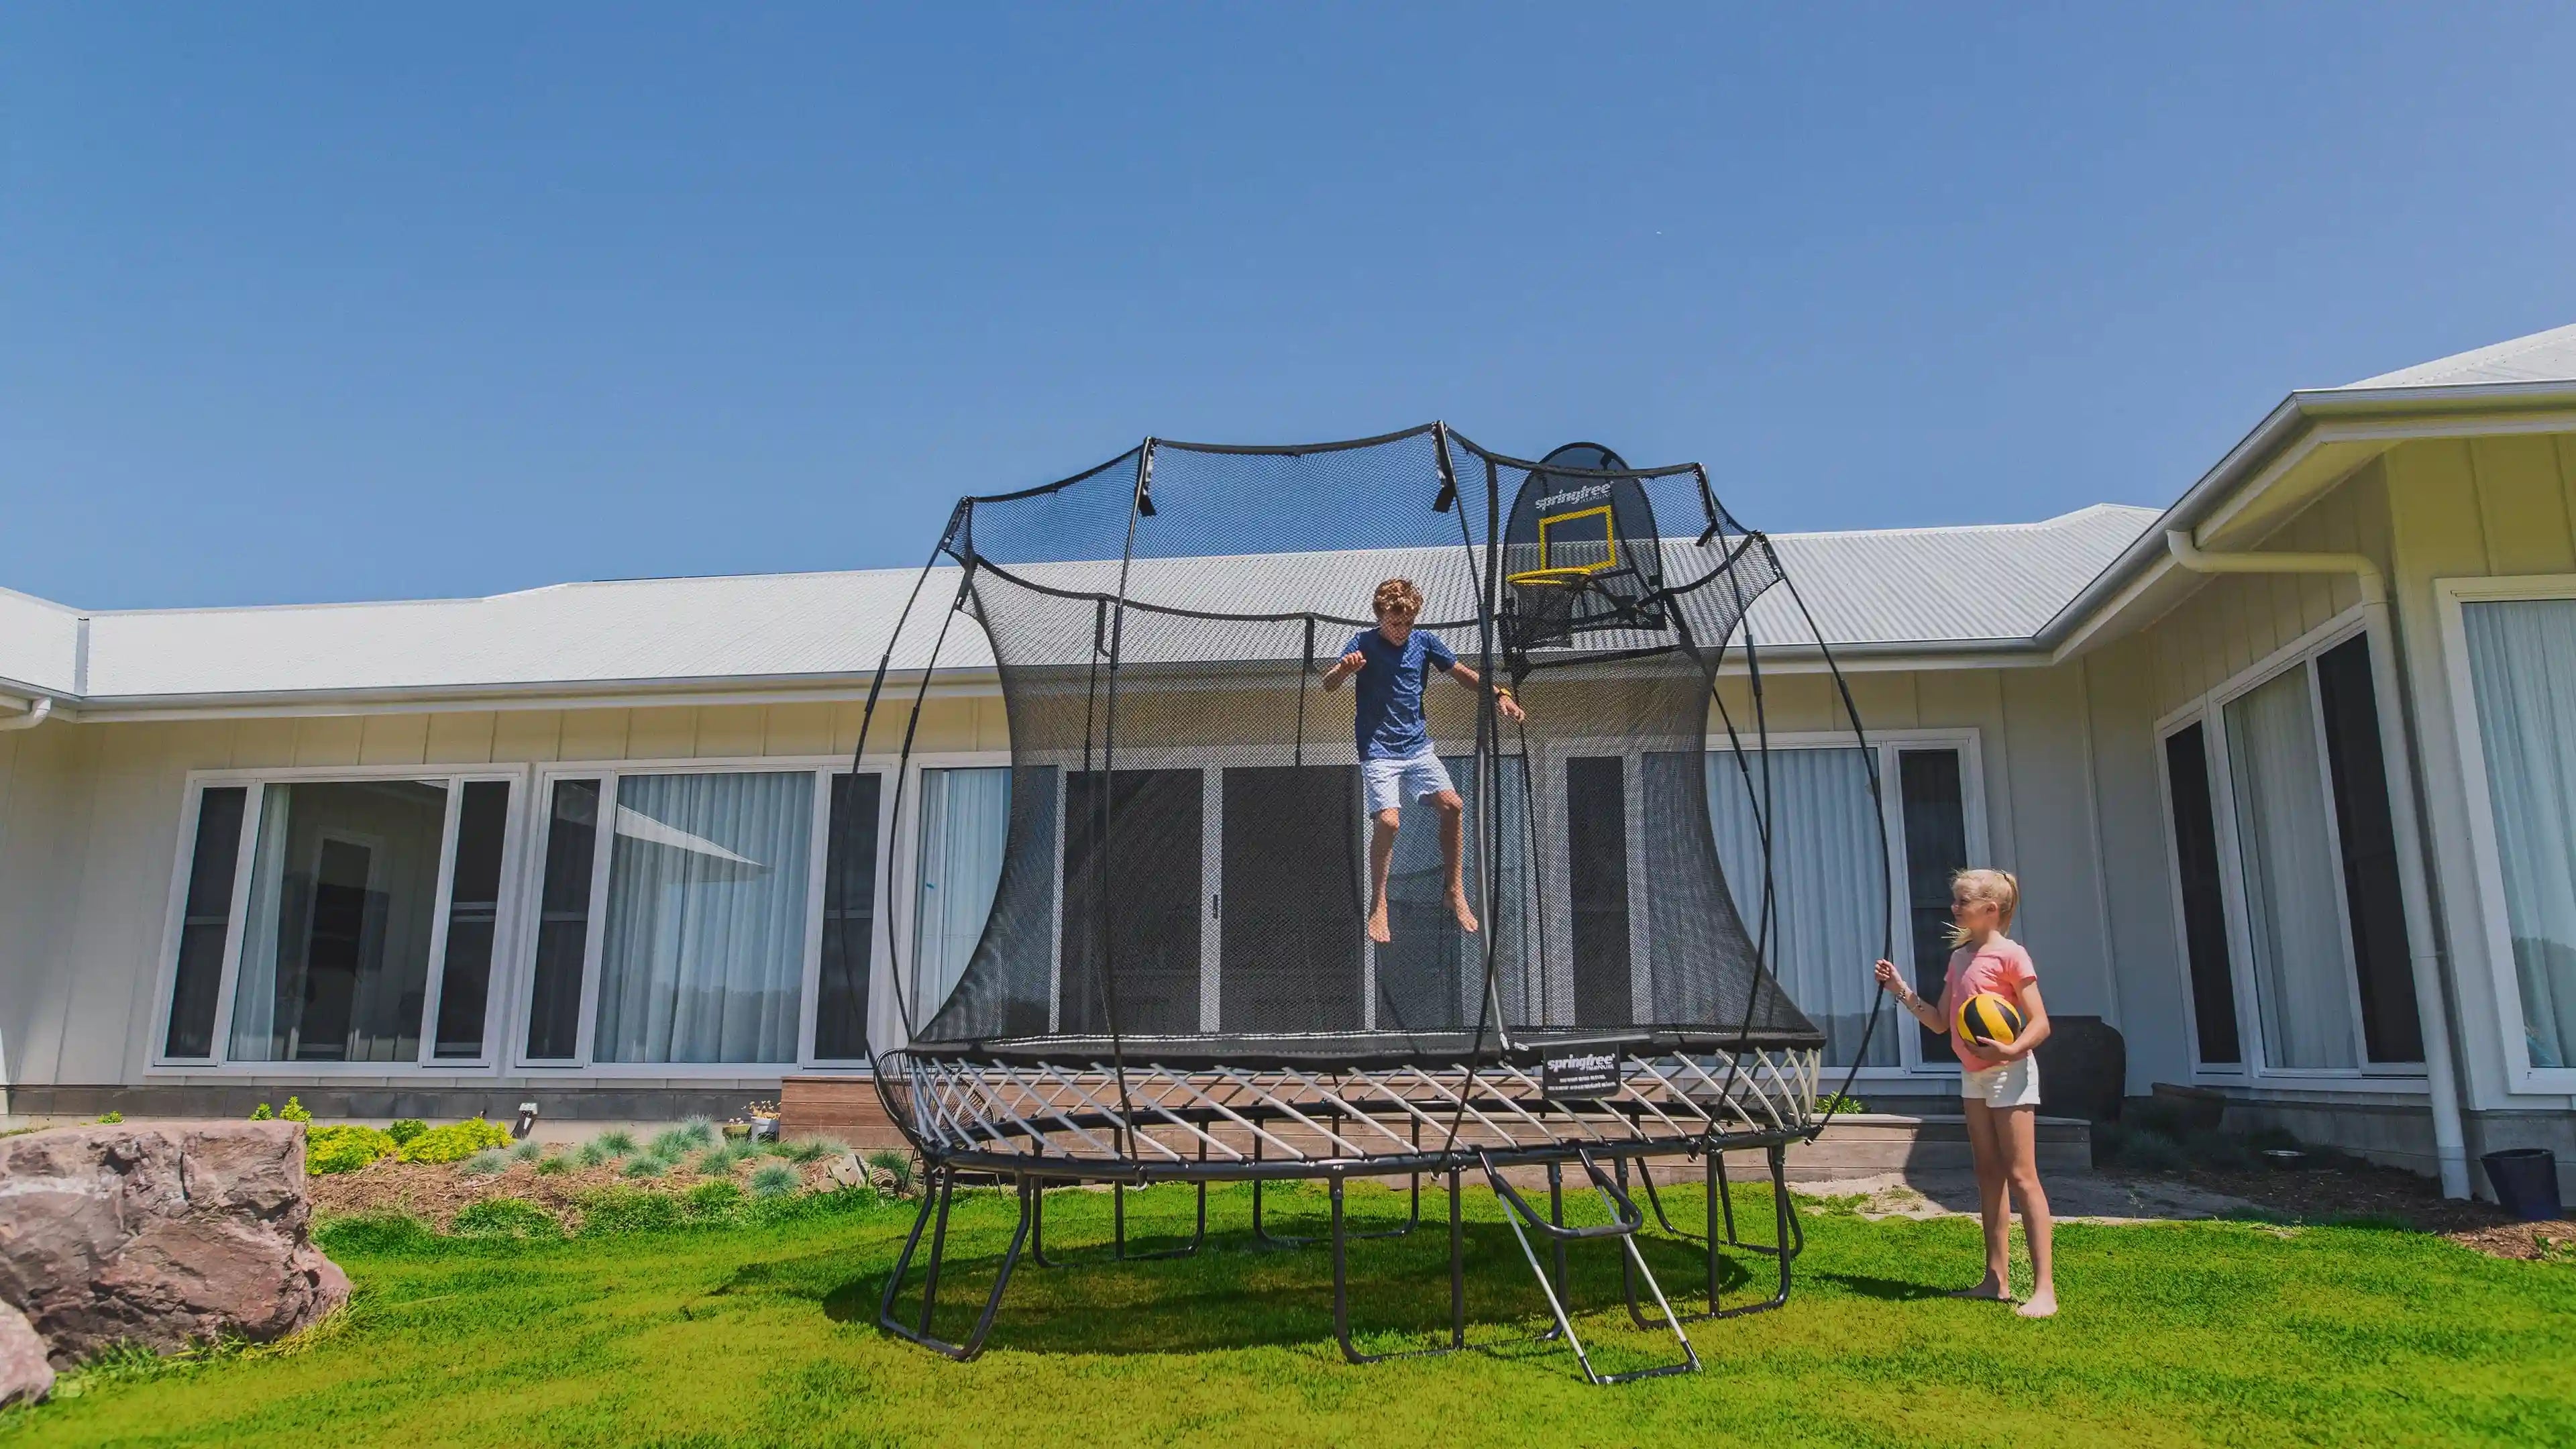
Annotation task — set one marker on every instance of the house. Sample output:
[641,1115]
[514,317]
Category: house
[2287,770]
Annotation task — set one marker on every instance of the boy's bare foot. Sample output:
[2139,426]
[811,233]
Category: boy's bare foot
[1377,924]
[1466,917]
[1988,1291]
[2042,1304]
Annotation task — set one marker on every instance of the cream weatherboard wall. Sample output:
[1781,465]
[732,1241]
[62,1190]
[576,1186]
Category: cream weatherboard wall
[2500,511]
[90,816]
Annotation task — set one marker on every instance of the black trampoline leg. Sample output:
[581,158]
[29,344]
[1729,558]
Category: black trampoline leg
[934,1207]
[1341,1237]
[1788,1238]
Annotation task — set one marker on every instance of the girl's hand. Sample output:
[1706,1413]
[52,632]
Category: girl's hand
[1889,979]
[1509,708]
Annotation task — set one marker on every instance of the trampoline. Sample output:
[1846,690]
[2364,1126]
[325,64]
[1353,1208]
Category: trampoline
[1176,984]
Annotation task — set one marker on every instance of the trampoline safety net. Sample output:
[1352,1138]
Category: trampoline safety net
[1186,876]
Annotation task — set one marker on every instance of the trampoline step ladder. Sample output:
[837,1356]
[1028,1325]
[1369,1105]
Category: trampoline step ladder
[1626,1219]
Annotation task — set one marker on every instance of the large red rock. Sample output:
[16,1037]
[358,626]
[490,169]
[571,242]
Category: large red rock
[160,1234]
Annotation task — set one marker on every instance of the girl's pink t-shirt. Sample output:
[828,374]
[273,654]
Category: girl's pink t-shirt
[2000,966]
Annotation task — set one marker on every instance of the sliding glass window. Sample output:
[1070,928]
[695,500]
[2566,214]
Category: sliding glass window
[684,916]
[2280,792]
[363,933]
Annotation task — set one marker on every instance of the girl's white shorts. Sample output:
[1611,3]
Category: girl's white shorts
[2014,1084]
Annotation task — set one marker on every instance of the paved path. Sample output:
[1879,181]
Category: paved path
[2075,1197]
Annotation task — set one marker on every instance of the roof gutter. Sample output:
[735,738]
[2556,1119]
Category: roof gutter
[2272,440]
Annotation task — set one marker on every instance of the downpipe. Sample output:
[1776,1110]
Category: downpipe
[35,715]
[2450,1141]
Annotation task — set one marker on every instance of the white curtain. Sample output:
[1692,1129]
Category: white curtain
[965,819]
[1826,922]
[2293,905]
[255,986]
[704,952]
[2522,671]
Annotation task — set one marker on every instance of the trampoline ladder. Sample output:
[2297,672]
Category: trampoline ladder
[1626,1220]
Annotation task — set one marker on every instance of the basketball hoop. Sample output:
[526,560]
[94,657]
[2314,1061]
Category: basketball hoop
[1542,609]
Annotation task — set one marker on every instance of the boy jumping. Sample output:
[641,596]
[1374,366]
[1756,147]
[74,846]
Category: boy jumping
[1396,760]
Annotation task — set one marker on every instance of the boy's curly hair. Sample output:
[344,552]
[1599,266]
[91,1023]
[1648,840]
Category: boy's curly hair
[1394,592]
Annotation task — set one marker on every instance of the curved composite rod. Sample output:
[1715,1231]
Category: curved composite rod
[911,725]
[858,753]
[1136,504]
[1488,754]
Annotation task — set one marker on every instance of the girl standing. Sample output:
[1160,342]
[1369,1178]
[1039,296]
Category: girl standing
[1998,1083]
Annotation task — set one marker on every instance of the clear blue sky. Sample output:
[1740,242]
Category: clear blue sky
[306,304]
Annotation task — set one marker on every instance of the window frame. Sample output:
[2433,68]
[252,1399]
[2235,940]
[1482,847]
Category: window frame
[255,782]
[2209,710]
[2494,930]
[527,882]
[1969,743]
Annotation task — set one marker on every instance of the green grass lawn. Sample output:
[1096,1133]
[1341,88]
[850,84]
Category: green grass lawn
[2209,1333]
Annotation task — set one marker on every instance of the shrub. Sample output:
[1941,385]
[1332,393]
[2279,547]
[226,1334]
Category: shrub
[627,1210]
[646,1166]
[775,1179]
[505,1217]
[591,1154]
[814,1150]
[2273,1139]
[293,1111]
[896,1163]
[527,1152]
[261,1113]
[455,1141]
[1840,1105]
[487,1163]
[344,1148]
[405,1130]
[677,1142]
[554,1166]
[721,1161]
[110,1119]
[712,1202]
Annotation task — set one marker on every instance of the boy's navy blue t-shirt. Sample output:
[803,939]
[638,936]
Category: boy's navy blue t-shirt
[1388,721]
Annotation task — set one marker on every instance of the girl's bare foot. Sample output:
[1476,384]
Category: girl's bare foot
[2042,1304]
[1989,1290]
[1466,917]
[1377,924]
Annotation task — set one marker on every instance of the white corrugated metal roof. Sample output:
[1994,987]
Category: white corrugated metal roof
[1943,585]
[1929,585]
[2541,357]
[39,644]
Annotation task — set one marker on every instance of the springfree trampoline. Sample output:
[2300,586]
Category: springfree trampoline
[1176,983]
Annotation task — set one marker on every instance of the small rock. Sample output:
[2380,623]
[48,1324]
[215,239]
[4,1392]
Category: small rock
[25,1377]
[845,1170]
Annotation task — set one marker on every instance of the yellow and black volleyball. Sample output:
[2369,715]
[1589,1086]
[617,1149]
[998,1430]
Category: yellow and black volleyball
[1988,1019]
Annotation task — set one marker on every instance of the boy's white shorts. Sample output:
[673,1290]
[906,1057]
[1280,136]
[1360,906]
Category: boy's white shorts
[2014,1084]
[1392,784]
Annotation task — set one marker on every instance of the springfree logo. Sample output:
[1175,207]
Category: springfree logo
[1584,494]
[1593,1074]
